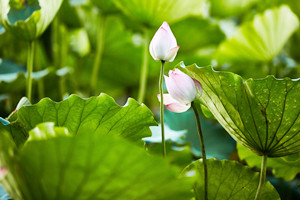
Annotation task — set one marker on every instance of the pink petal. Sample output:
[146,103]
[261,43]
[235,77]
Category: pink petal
[199,86]
[168,99]
[172,54]
[3,172]
[178,107]
[181,87]
[174,105]
[173,42]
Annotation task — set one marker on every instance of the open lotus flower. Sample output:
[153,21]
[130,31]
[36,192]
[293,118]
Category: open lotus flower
[182,91]
[163,46]
[28,19]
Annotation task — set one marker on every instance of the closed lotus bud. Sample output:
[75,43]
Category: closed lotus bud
[182,91]
[163,46]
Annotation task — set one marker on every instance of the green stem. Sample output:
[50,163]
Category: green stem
[203,151]
[37,60]
[162,108]
[144,71]
[30,58]
[60,51]
[262,179]
[99,52]
[63,54]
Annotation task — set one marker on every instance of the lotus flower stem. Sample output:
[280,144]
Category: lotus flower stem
[262,179]
[99,52]
[30,58]
[162,108]
[144,71]
[203,151]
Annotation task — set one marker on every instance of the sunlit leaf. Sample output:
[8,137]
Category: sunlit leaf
[88,166]
[154,12]
[97,114]
[285,167]
[79,42]
[225,8]
[260,114]
[28,27]
[47,130]
[228,180]
[262,38]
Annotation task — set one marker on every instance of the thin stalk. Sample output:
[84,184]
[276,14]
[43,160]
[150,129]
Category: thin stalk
[41,86]
[99,52]
[203,151]
[60,51]
[63,54]
[162,108]
[144,71]
[262,179]
[30,58]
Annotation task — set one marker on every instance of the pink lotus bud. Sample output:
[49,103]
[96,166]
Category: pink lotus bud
[182,91]
[163,46]
[3,172]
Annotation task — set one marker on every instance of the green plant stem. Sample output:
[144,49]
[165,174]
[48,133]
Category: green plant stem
[202,149]
[30,58]
[144,71]
[162,108]
[37,60]
[99,52]
[262,179]
[60,51]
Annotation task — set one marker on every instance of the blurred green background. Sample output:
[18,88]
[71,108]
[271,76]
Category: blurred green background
[251,38]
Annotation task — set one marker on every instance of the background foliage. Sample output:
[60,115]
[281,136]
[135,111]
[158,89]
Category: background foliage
[250,38]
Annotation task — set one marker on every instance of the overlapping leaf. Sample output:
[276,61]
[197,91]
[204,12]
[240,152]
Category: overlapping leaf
[261,39]
[29,27]
[225,8]
[97,114]
[285,167]
[154,12]
[260,114]
[88,166]
[228,180]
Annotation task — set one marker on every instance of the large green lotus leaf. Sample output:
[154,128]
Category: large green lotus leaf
[97,114]
[154,12]
[88,166]
[260,114]
[28,27]
[203,31]
[227,8]
[283,167]
[262,38]
[228,180]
